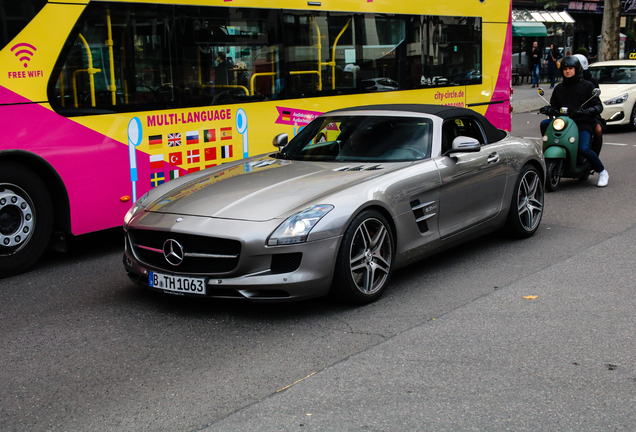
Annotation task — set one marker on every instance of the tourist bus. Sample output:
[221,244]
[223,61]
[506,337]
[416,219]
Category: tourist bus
[101,101]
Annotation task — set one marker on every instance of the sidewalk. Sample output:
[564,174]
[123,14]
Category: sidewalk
[525,98]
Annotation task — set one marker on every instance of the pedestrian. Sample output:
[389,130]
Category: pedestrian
[552,60]
[535,63]
[220,70]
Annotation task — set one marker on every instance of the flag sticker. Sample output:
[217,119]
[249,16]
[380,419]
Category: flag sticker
[155,141]
[156,161]
[226,133]
[210,166]
[192,137]
[209,135]
[287,115]
[226,151]
[174,140]
[156,179]
[193,157]
[175,158]
[194,169]
[174,174]
[210,153]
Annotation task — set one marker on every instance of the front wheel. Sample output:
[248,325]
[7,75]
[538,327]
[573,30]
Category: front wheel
[365,259]
[553,178]
[526,209]
[26,218]
[632,119]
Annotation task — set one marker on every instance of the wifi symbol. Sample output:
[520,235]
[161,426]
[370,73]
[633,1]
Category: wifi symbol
[24,52]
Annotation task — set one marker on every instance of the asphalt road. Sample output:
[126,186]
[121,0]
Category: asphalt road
[82,348]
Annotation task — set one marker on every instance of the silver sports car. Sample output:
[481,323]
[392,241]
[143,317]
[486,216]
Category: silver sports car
[356,194]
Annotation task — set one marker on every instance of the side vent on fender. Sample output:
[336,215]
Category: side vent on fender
[422,212]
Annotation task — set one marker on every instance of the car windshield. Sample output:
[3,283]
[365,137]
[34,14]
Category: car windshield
[614,74]
[362,139]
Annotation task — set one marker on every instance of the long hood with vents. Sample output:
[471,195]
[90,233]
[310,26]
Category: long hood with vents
[265,188]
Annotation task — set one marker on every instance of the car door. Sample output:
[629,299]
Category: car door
[472,184]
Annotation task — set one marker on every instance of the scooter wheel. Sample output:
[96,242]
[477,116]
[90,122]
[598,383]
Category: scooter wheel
[553,179]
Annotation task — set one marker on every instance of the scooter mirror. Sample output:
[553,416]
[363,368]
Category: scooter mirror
[596,92]
[540,91]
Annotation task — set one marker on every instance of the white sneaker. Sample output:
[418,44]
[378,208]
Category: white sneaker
[603,178]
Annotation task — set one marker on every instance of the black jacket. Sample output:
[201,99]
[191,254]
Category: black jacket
[572,93]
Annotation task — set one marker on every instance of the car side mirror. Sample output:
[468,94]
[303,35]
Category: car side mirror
[280,140]
[464,144]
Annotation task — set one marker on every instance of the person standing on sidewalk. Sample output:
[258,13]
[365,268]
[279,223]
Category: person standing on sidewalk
[534,61]
[554,55]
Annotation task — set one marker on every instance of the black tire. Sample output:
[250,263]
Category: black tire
[526,208]
[365,260]
[553,179]
[632,119]
[26,218]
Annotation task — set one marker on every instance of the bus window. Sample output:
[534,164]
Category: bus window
[15,15]
[159,57]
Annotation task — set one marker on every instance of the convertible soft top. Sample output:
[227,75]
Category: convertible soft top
[445,112]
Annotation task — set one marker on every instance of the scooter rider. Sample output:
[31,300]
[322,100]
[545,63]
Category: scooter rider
[573,92]
[599,128]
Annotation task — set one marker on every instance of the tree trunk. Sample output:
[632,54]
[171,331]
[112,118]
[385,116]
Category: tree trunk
[610,31]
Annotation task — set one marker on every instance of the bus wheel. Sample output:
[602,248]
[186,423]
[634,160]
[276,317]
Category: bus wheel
[26,218]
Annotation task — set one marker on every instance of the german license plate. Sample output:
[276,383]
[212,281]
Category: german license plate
[177,284]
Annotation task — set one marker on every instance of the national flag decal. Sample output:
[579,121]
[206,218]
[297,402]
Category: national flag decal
[156,179]
[156,161]
[174,174]
[174,140]
[209,135]
[226,133]
[193,156]
[226,151]
[192,137]
[155,140]
[194,169]
[175,158]
[210,154]
[286,115]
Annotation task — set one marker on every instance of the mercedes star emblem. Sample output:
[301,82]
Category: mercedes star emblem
[173,252]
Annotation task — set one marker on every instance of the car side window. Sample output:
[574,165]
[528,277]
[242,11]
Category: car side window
[464,126]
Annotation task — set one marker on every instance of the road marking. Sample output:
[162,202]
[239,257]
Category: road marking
[616,144]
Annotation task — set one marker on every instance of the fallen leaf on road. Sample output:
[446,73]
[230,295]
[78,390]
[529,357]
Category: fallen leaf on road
[530,297]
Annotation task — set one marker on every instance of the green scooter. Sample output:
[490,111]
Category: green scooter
[561,147]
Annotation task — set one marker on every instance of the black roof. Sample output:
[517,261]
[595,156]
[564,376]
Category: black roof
[442,111]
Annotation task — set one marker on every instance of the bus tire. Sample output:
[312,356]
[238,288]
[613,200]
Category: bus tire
[26,218]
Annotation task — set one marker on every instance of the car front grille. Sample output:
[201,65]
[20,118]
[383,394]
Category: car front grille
[201,255]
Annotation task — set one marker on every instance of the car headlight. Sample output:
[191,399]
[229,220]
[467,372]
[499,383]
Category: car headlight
[617,100]
[558,124]
[296,228]
[135,208]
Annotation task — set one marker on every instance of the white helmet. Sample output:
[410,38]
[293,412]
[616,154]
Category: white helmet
[582,60]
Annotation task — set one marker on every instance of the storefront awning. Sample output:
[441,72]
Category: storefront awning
[525,28]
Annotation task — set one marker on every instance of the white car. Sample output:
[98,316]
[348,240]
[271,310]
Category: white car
[617,80]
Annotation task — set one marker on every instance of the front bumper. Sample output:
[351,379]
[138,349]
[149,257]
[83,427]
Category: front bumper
[262,273]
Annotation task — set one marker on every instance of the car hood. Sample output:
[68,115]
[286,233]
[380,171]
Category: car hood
[264,189]
[610,91]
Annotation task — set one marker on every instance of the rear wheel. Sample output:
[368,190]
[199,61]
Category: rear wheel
[26,218]
[526,209]
[553,178]
[365,260]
